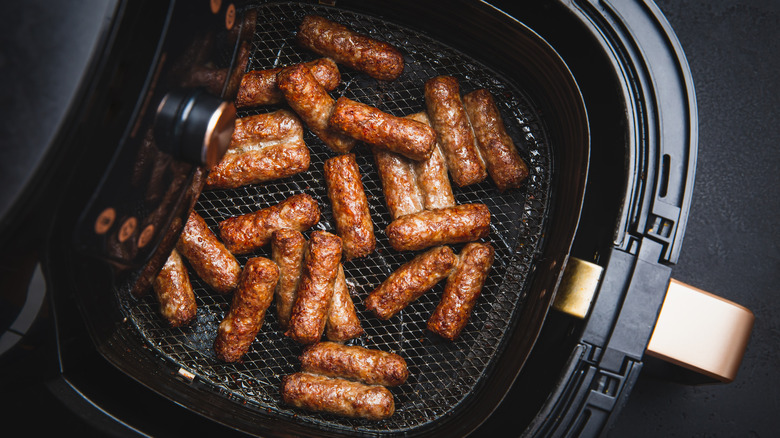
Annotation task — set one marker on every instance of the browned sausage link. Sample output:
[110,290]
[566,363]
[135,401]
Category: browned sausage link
[432,175]
[213,263]
[399,184]
[462,290]
[174,292]
[410,281]
[251,299]
[403,136]
[377,59]
[343,323]
[313,103]
[260,87]
[264,147]
[320,268]
[373,367]
[337,396]
[249,232]
[456,137]
[507,169]
[287,250]
[350,206]
[451,225]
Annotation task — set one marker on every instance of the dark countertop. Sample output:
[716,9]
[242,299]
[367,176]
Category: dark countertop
[732,241]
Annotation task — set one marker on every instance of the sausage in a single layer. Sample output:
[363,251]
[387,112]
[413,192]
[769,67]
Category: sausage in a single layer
[174,292]
[252,297]
[337,396]
[249,232]
[343,323]
[507,169]
[370,366]
[410,281]
[350,206]
[260,87]
[209,257]
[451,225]
[287,250]
[399,183]
[432,175]
[378,59]
[462,290]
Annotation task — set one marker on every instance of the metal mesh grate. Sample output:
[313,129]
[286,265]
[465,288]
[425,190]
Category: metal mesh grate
[442,373]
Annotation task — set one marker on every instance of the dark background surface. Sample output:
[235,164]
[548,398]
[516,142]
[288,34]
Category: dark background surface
[731,245]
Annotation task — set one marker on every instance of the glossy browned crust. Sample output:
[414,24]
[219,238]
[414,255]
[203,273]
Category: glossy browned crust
[210,259]
[370,366]
[260,87]
[320,268]
[449,119]
[432,175]
[337,396]
[462,290]
[410,281]
[343,323]
[264,147]
[378,59]
[507,169]
[287,250]
[450,225]
[250,232]
[251,299]
[174,292]
[399,184]
[313,104]
[350,206]
[366,123]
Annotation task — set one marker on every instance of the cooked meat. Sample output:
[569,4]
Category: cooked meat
[174,292]
[213,263]
[370,366]
[337,396]
[350,206]
[458,224]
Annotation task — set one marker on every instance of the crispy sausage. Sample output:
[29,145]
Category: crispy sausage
[313,104]
[350,206]
[452,126]
[260,87]
[377,59]
[462,290]
[458,224]
[399,184]
[320,269]
[343,323]
[209,257]
[174,292]
[337,396]
[410,281]
[264,147]
[287,250]
[432,176]
[251,299]
[249,232]
[507,169]
[366,123]
[370,366]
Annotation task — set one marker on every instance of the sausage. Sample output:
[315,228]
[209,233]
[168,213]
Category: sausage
[370,366]
[174,292]
[343,323]
[350,206]
[366,123]
[462,290]
[287,250]
[458,224]
[456,137]
[249,232]
[320,269]
[377,59]
[209,257]
[399,183]
[410,281]
[432,175]
[313,104]
[260,87]
[507,169]
[264,147]
[251,299]
[337,396]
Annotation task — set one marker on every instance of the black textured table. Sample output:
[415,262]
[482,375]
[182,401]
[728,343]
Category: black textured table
[732,242]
